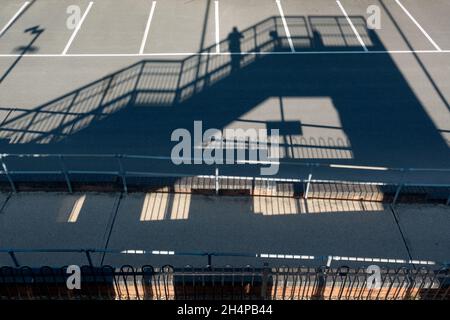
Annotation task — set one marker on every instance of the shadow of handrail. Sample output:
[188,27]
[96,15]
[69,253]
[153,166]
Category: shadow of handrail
[160,83]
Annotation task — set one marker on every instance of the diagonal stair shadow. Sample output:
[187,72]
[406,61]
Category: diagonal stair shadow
[135,109]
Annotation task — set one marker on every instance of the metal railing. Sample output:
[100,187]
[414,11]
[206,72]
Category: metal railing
[107,172]
[87,254]
[188,283]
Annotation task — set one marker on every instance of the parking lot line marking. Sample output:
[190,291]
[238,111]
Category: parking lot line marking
[74,34]
[147,27]
[10,22]
[185,54]
[216,14]
[361,42]
[418,25]
[286,29]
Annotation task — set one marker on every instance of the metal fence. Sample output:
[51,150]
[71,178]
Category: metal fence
[89,256]
[132,173]
[188,283]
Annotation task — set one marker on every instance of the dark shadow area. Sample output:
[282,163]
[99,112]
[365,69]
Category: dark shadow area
[136,109]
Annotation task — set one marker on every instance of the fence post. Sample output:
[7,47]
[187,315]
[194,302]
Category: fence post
[217,181]
[122,173]
[397,193]
[308,182]
[321,283]
[88,256]
[5,169]
[448,201]
[65,173]
[265,280]
[14,258]
[209,265]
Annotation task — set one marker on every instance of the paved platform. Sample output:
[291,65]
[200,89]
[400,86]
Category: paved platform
[123,78]
[186,223]
[339,92]
[42,221]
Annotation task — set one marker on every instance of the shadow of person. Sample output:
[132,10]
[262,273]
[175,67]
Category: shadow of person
[276,40]
[234,46]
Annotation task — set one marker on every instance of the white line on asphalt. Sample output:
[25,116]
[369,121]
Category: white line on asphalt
[77,29]
[344,166]
[286,29]
[183,54]
[10,22]
[217,25]
[361,42]
[418,25]
[341,258]
[147,28]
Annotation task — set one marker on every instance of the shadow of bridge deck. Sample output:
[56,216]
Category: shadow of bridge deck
[371,115]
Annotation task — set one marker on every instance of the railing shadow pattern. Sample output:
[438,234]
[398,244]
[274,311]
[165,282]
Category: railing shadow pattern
[162,83]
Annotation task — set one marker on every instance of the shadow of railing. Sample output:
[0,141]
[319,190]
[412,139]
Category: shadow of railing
[160,83]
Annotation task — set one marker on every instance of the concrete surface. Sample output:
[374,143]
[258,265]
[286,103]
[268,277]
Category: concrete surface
[40,221]
[389,109]
[425,232]
[196,224]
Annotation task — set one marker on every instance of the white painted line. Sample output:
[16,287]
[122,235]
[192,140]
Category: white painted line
[10,22]
[184,54]
[344,166]
[217,25]
[418,25]
[361,42]
[340,258]
[133,252]
[286,29]
[147,28]
[77,29]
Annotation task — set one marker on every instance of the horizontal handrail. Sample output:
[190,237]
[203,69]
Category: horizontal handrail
[286,162]
[276,256]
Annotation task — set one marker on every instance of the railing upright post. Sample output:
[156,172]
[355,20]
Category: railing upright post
[308,183]
[8,176]
[122,173]
[397,193]
[209,265]
[265,280]
[89,258]
[320,284]
[217,182]
[65,173]
[14,258]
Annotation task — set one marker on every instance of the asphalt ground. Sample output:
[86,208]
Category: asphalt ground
[129,225]
[335,102]
[73,91]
